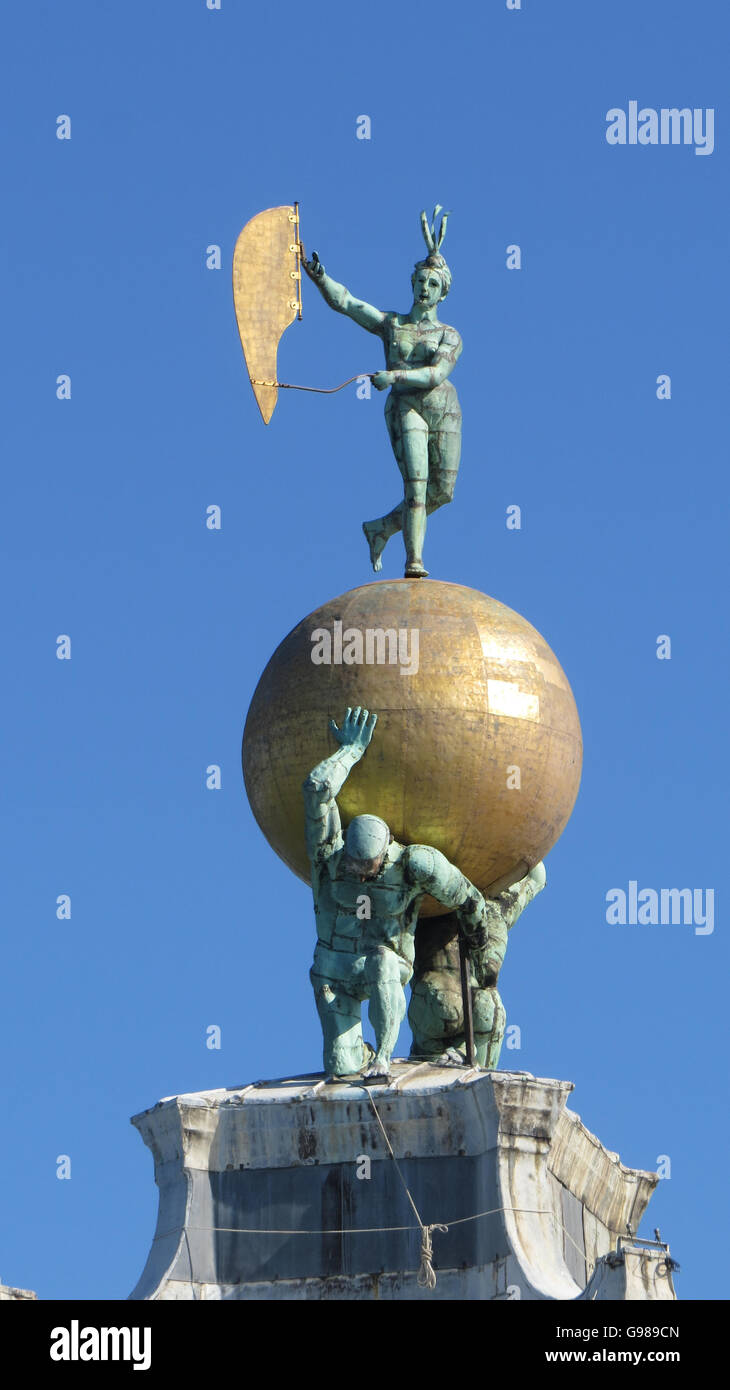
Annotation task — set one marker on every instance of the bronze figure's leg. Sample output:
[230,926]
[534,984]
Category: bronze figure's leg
[379,532]
[409,437]
[385,974]
[489,1022]
[444,453]
[443,417]
[340,1015]
[435,1015]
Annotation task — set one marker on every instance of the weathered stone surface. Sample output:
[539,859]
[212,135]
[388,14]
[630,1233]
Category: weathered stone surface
[9,1294]
[260,1196]
[632,1273]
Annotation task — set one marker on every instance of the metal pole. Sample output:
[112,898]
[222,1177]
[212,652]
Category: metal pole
[466,1002]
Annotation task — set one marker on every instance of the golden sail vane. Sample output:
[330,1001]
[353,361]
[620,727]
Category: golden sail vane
[267,293]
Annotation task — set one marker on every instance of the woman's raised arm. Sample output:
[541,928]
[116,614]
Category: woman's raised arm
[340,299]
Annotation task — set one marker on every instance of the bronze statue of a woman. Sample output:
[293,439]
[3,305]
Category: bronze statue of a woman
[422,411]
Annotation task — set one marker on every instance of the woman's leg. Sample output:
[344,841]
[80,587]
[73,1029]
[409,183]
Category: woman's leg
[409,437]
[379,532]
[444,453]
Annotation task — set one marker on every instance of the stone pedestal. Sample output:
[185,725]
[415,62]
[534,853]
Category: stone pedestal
[286,1190]
[10,1294]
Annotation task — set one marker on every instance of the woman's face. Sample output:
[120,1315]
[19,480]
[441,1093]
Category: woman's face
[427,287]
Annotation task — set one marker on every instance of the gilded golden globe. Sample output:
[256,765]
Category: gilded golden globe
[477,748]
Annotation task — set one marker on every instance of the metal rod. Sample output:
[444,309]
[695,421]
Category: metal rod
[466,1002]
[299,263]
[321,390]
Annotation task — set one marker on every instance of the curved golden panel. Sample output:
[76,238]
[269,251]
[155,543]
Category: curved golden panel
[266,295]
[483,695]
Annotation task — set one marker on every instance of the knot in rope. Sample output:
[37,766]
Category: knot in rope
[427,1273]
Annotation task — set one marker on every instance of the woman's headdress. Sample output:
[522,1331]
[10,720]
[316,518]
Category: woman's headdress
[433,239]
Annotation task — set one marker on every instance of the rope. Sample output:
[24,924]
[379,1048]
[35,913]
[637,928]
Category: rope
[320,390]
[426,1273]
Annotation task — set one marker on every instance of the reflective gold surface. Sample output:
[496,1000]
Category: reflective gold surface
[488,695]
[266,293]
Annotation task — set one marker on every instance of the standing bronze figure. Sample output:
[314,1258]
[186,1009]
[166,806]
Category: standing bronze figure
[422,411]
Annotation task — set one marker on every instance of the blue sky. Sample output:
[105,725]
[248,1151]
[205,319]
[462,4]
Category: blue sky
[185,122]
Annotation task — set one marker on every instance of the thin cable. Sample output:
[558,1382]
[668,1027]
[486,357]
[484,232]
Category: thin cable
[426,1274]
[377,1230]
[374,1230]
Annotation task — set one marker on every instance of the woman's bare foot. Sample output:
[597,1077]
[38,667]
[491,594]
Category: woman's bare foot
[415,570]
[377,541]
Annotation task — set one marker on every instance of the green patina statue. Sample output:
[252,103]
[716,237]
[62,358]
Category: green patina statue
[367,891]
[422,411]
[436,1010]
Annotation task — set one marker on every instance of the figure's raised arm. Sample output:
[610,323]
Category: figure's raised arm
[323,825]
[340,299]
[502,912]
